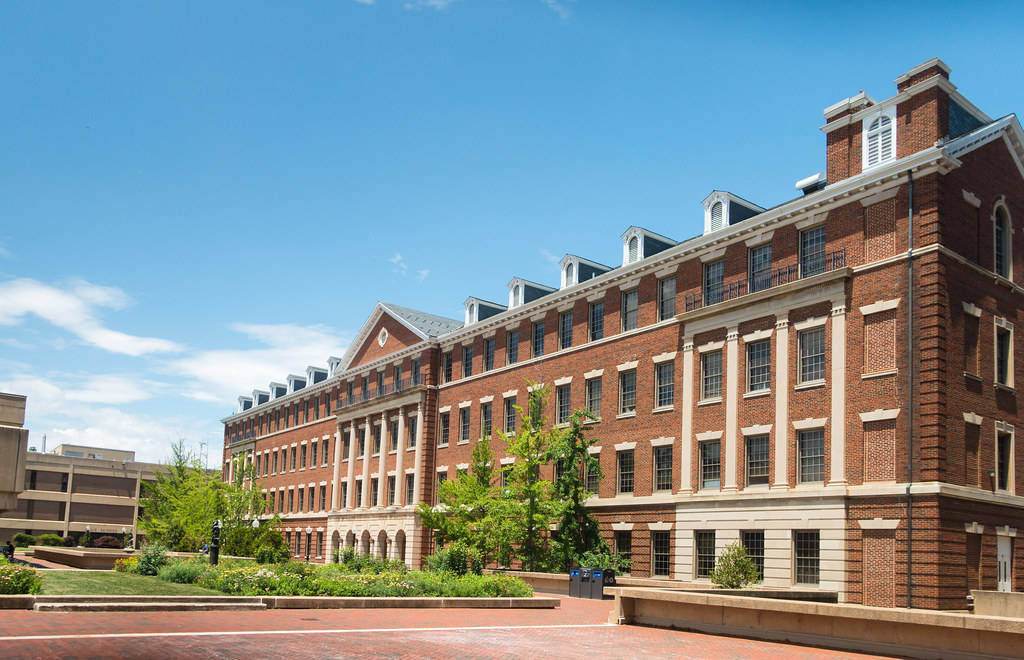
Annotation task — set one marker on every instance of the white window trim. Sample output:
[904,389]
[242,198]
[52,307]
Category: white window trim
[563,381]
[1011,481]
[809,424]
[627,366]
[622,527]
[596,373]
[709,435]
[879,415]
[625,446]
[711,346]
[972,418]
[890,112]
[971,309]
[756,429]
[1008,243]
[662,442]
[758,335]
[879,306]
[664,357]
[509,394]
[810,324]
[1001,323]
[486,399]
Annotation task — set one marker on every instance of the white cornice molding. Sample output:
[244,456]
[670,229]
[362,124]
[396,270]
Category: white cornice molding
[709,435]
[879,415]
[625,446]
[626,366]
[757,335]
[809,423]
[756,429]
[565,380]
[972,418]
[883,196]
[659,526]
[662,442]
[880,306]
[879,523]
[595,373]
[664,357]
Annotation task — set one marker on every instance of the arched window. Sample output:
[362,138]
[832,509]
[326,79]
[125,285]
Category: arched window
[472,313]
[516,298]
[568,275]
[1001,243]
[716,216]
[634,249]
[879,141]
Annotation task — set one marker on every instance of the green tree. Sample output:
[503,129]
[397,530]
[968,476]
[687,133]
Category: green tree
[465,503]
[734,569]
[578,530]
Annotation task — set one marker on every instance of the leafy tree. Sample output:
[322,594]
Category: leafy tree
[465,503]
[734,569]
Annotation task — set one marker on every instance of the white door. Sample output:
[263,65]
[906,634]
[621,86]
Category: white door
[1003,563]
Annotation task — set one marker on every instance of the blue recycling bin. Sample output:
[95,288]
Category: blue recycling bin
[574,582]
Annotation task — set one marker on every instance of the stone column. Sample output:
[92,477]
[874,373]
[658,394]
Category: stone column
[336,484]
[838,439]
[367,456]
[417,483]
[399,476]
[732,393]
[781,400]
[382,465]
[351,486]
[686,434]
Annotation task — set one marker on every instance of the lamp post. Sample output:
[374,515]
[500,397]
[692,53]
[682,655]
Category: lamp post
[309,538]
[215,543]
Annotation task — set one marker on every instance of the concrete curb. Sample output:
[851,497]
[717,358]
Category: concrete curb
[171,603]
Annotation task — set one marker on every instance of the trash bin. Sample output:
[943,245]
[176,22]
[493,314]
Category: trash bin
[574,582]
[609,577]
[597,584]
[586,578]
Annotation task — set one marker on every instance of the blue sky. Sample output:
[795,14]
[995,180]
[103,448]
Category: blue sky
[198,198]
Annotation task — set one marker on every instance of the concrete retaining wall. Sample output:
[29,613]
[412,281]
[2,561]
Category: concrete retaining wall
[998,603]
[24,602]
[892,631]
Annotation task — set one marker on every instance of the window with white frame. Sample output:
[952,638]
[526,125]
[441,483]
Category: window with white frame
[880,138]
[411,431]
[630,308]
[812,355]
[811,456]
[1001,242]
[625,470]
[563,404]
[758,459]
[627,392]
[594,397]
[759,365]
[661,547]
[445,424]
[596,320]
[710,464]
[634,249]
[812,251]
[717,215]
[512,347]
[663,468]
[1004,352]
[510,414]
[759,260]
[485,420]
[410,488]
[664,395]
[807,556]
[538,339]
[704,548]
[714,280]
[666,298]
[711,375]
[753,543]
[467,361]
[446,367]
[463,425]
[392,486]
[488,354]
[1004,458]
[565,330]
[593,478]
[378,432]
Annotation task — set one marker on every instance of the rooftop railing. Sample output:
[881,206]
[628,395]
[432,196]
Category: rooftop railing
[378,392]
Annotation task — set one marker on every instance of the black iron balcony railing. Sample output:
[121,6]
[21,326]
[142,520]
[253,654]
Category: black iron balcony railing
[808,267]
[378,392]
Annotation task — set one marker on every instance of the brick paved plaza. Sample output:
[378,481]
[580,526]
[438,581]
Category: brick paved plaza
[578,629]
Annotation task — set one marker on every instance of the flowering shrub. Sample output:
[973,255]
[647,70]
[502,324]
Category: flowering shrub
[127,565]
[107,542]
[182,572]
[19,579]
[151,558]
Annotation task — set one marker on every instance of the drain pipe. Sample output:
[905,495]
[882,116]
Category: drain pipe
[910,383]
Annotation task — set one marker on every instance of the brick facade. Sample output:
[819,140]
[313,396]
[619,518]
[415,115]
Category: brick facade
[838,412]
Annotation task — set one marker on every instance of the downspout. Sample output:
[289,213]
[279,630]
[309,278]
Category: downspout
[910,383]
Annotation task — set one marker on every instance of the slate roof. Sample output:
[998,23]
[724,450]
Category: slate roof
[429,324]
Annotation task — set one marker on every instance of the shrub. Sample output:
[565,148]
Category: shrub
[127,565]
[353,562]
[611,560]
[182,572]
[19,579]
[107,542]
[50,540]
[69,541]
[458,558]
[733,568]
[269,554]
[21,539]
[151,557]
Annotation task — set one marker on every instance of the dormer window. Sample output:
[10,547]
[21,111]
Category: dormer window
[634,249]
[478,309]
[569,273]
[723,209]
[716,216]
[880,137]
[576,270]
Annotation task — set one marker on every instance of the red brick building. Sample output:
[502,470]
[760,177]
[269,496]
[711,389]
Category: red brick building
[831,381]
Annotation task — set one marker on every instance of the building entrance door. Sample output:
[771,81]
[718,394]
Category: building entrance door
[1003,563]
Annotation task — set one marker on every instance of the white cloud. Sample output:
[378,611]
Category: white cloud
[548,256]
[74,310]
[422,274]
[220,375]
[429,4]
[111,389]
[365,2]
[558,7]
[399,265]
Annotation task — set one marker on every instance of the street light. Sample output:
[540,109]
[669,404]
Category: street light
[309,538]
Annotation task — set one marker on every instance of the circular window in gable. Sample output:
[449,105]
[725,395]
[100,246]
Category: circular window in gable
[383,336]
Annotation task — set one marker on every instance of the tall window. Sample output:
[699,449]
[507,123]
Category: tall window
[485,420]
[879,142]
[312,455]
[704,545]
[446,367]
[666,298]
[812,355]
[396,378]
[627,392]
[811,456]
[593,480]
[596,321]
[362,441]
[489,354]
[662,553]
[971,335]
[391,490]
[374,492]
[410,488]
[714,278]
[663,468]
[294,453]
[411,431]
[711,464]
[442,436]
[463,425]
[359,493]
[378,432]
[393,439]
[538,339]
[760,265]
[1002,243]
[630,306]
[625,470]
[753,543]
[467,361]
[807,546]
[594,397]
[512,347]
[291,501]
[624,544]
[564,330]
[510,415]
[564,404]
[664,395]
[759,365]
[275,462]
[568,275]
[711,375]
[1004,353]
[1004,460]
[302,463]
[812,251]
[323,498]
[757,459]
[380,383]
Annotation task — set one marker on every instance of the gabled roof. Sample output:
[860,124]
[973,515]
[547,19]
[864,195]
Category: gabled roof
[423,325]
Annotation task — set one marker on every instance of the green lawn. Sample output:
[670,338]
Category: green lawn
[80,583]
